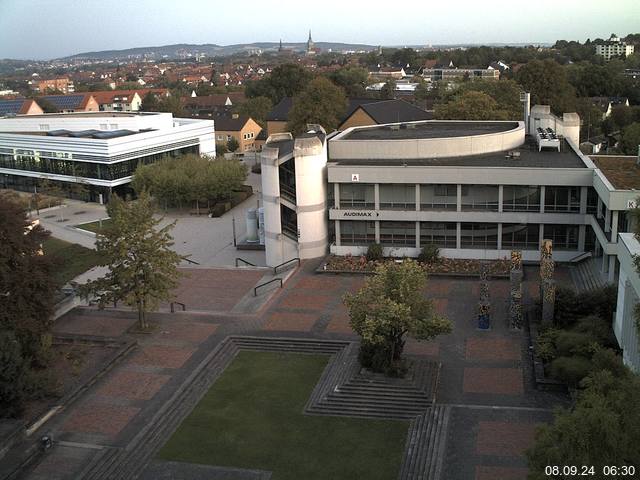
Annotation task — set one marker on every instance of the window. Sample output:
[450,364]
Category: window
[44,127]
[228,137]
[397,197]
[220,137]
[520,236]
[564,237]
[114,126]
[103,126]
[353,232]
[479,235]
[520,198]
[357,195]
[398,234]
[441,234]
[592,201]
[562,199]
[438,197]
[480,197]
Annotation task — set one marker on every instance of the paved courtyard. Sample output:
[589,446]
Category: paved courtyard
[485,378]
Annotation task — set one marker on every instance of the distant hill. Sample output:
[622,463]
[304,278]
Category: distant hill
[182,50]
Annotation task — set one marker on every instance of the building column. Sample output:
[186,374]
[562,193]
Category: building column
[459,202]
[417,197]
[605,262]
[500,230]
[607,221]
[376,196]
[612,268]
[583,200]
[582,236]
[377,231]
[336,195]
[458,232]
[542,195]
[614,226]
[541,236]
[337,231]
[500,200]
[599,210]
[417,234]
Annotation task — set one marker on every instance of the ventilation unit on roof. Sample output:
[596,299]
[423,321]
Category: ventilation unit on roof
[394,127]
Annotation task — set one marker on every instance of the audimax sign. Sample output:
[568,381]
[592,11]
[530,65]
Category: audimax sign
[360,214]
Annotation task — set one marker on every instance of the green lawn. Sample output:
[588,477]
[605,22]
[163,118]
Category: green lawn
[252,418]
[70,259]
[94,226]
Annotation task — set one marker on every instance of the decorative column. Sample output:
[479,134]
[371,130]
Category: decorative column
[547,283]
[484,305]
[515,298]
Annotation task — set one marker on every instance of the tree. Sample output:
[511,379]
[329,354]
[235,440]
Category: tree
[622,116]
[14,372]
[46,105]
[506,93]
[471,105]
[320,102]
[390,306]
[27,287]
[232,144]
[285,80]
[388,90]
[352,79]
[630,141]
[257,108]
[142,268]
[602,429]
[547,81]
[171,104]
[150,103]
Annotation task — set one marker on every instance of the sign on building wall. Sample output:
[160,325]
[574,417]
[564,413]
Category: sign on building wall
[632,204]
[355,177]
[360,214]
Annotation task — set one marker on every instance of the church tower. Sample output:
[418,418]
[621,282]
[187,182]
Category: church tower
[311,49]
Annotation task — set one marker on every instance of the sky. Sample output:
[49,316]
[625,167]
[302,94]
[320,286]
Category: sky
[45,29]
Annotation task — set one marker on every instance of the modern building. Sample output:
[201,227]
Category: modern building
[98,150]
[454,73]
[241,127]
[614,47]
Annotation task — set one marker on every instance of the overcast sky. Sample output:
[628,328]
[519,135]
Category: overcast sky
[43,29]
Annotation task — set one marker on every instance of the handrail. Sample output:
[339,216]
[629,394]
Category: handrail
[275,269]
[190,261]
[580,257]
[255,290]
[238,259]
[184,307]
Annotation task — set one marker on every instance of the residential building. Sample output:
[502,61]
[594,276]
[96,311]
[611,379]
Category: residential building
[19,106]
[376,112]
[607,104]
[99,150]
[452,73]
[211,105]
[118,100]
[278,117]
[614,47]
[396,73]
[241,127]
[78,102]
[63,85]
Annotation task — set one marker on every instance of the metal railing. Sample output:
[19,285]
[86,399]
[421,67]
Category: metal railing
[255,290]
[238,259]
[190,261]
[275,269]
[172,306]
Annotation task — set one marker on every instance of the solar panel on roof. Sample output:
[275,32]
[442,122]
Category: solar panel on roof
[65,102]
[84,133]
[112,134]
[10,106]
[58,133]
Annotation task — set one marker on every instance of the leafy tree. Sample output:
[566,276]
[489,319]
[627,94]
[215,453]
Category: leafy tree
[352,79]
[232,144]
[388,90]
[286,80]
[27,287]
[171,104]
[221,149]
[505,93]
[257,108]
[630,139]
[142,268]
[602,429]
[150,103]
[622,116]
[404,57]
[390,306]
[320,102]
[547,81]
[471,105]
[46,105]
[14,374]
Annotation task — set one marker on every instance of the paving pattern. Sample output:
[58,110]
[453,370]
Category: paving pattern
[485,398]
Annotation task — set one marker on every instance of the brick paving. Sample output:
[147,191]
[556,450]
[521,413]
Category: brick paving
[133,385]
[504,438]
[187,331]
[416,347]
[290,321]
[305,301]
[94,324]
[497,381]
[500,473]
[105,419]
[163,356]
[479,348]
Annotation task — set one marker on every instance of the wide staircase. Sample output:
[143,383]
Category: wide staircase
[586,275]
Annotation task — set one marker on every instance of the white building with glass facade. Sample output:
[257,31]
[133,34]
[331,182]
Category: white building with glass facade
[101,150]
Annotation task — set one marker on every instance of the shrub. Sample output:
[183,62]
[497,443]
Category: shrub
[608,359]
[430,253]
[571,306]
[374,252]
[575,343]
[14,371]
[546,344]
[571,370]
[597,327]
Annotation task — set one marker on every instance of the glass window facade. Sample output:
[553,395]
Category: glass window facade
[479,235]
[357,195]
[398,234]
[562,199]
[480,197]
[438,197]
[287,175]
[520,236]
[520,198]
[592,201]
[397,197]
[357,233]
[564,237]
[442,234]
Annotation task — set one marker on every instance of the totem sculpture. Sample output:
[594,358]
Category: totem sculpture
[515,298]
[484,305]
[547,283]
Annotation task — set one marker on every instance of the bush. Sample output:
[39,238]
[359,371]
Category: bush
[608,359]
[430,253]
[598,328]
[374,252]
[571,306]
[546,344]
[571,370]
[14,372]
[575,343]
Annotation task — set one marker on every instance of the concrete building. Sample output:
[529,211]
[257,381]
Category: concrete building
[63,85]
[241,127]
[614,47]
[98,150]
[624,324]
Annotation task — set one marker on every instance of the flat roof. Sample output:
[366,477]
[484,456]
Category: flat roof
[622,171]
[85,114]
[529,157]
[428,129]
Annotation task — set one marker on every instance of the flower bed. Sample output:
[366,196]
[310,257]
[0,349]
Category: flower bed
[443,266]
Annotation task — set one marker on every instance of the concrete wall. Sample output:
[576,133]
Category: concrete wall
[271,202]
[628,294]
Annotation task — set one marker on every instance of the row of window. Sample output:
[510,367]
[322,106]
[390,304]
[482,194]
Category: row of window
[473,197]
[33,162]
[472,235]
